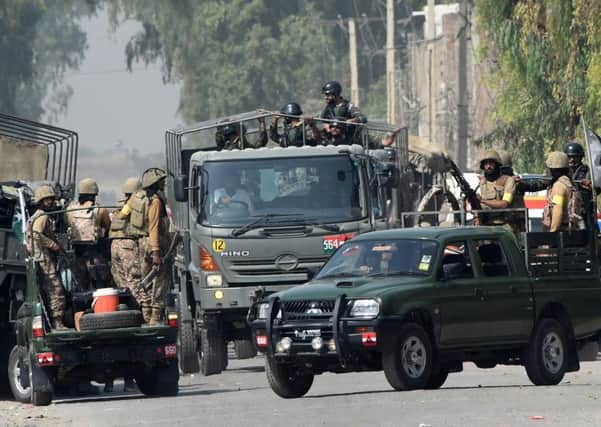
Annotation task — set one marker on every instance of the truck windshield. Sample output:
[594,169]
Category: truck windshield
[325,189]
[370,258]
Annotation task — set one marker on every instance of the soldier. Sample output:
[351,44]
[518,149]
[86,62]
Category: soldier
[581,178]
[294,128]
[148,219]
[337,106]
[564,204]
[87,227]
[229,136]
[518,219]
[335,133]
[43,246]
[497,191]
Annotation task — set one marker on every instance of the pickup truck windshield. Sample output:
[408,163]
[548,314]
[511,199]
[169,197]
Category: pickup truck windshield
[370,258]
[324,189]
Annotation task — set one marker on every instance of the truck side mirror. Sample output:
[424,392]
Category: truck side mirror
[179,188]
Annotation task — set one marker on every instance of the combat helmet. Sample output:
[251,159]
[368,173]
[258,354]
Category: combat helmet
[557,160]
[490,155]
[88,186]
[332,88]
[573,149]
[43,192]
[131,185]
[292,109]
[152,176]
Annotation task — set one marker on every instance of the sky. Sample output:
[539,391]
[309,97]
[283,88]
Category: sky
[112,107]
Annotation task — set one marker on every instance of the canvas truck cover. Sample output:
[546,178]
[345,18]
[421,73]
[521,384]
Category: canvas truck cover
[22,160]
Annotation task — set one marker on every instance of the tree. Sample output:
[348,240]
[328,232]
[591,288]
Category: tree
[547,56]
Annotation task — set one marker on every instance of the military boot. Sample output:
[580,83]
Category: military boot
[57,323]
[146,313]
[155,318]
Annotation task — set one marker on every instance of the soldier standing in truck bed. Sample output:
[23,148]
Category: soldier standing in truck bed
[298,131]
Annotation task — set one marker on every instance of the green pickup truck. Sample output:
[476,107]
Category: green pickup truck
[417,303]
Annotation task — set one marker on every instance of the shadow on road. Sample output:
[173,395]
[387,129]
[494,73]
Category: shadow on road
[247,369]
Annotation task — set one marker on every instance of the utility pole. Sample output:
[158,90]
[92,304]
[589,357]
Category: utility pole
[462,101]
[390,80]
[430,36]
[352,35]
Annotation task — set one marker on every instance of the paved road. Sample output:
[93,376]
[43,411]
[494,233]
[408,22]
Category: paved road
[241,397]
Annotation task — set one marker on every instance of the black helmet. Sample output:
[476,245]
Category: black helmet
[332,88]
[573,149]
[292,109]
[229,130]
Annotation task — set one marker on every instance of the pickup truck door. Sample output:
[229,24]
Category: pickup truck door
[505,294]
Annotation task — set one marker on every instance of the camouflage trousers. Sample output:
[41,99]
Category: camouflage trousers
[126,268]
[162,282]
[52,287]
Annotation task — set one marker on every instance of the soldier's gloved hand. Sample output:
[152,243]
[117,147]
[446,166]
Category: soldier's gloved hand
[156,258]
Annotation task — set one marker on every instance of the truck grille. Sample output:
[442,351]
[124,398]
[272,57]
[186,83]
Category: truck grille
[268,267]
[308,310]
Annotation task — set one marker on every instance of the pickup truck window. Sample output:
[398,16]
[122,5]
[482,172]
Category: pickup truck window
[492,258]
[456,261]
[371,258]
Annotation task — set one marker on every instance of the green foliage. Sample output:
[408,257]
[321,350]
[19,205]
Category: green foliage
[40,42]
[547,75]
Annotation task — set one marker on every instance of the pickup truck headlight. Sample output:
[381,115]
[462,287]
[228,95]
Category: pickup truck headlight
[263,311]
[365,308]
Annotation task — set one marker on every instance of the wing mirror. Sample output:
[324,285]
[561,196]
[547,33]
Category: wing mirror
[179,188]
[453,270]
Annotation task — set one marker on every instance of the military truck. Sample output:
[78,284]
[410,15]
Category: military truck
[295,206]
[104,346]
[417,303]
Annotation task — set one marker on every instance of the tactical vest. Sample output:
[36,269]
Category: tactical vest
[29,243]
[83,224]
[494,191]
[119,226]
[572,210]
[138,218]
[339,110]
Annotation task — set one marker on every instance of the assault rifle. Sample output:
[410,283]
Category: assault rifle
[467,192]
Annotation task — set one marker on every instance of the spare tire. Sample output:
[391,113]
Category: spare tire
[112,320]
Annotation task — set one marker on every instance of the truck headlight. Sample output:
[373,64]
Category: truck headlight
[365,308]
[214,280]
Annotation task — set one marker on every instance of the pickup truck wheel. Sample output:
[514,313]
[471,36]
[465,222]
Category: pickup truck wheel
[547,354]
[111,320]
[161,381]
[18,374]
[437,379]
[212,351]
[408,364]
[286,380]
[245,349]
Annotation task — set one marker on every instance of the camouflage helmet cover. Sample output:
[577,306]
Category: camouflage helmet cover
[152,176]
[490,155]
[131,185]
[557,160]
[43,192]
[88,186]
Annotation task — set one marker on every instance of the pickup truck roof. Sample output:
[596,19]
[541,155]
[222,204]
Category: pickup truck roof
[275,152]
[436,233]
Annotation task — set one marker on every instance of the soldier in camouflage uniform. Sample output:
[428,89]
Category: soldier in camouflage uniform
[581,178]
[43,246]
[148,219]
[497,191]
[233,135]
[294,128]
[339,108]
[87,230]
[564,204]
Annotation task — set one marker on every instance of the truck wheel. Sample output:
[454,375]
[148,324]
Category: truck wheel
[547,353]
[212,348]
[224,356]
[188,348]
[408,364]
[285,380]
[112,320]
[18,374]
[245,349]
[437,379]
[161,381]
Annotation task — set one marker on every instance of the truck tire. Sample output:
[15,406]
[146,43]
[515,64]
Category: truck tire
[224,356]
[188,348]
[286,381]
[408,363]
[212,346]
[18,374]
[161,381]
[245,349]
[437,379]
[547,353]
[112,320]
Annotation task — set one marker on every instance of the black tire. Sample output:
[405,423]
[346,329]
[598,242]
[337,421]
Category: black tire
[485,364]
[161,381]
[112,320]
[408,364]
[18,374]
[188,348]
[212,351]
[547,353]
[437,379]
[286,381]
[245,349]
[224,356]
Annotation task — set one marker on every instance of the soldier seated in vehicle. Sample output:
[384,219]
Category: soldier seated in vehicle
[232,194]
[335,133]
